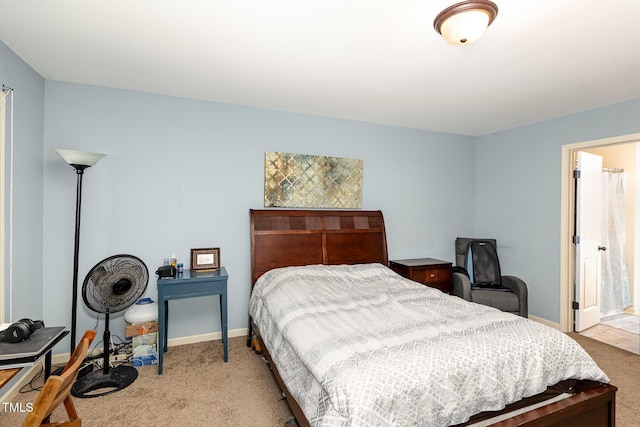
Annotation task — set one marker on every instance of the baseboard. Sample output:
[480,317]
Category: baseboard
[61,358]
[545,322]
[192,339]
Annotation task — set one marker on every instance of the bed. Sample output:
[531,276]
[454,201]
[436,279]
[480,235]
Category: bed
[413,356]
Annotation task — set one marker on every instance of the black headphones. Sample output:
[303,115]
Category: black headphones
[20,330]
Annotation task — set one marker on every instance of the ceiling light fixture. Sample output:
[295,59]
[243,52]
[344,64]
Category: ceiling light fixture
[465,22]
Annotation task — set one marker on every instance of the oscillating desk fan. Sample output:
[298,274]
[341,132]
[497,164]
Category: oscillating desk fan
[111,286]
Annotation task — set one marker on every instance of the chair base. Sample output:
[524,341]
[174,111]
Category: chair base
[99,383]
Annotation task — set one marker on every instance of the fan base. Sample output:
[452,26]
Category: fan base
[97,383]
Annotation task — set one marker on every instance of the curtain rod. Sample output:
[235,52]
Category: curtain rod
[613,170]
[6,88]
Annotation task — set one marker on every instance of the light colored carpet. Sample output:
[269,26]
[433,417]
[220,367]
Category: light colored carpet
[623,369]
[623,321]
[198,389]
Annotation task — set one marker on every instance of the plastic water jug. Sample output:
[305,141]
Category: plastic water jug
[145,310]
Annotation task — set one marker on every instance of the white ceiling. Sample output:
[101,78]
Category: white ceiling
[370,60]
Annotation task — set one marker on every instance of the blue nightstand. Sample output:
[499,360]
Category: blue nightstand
[191,284]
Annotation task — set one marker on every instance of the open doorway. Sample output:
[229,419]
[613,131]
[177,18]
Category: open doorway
[620,155]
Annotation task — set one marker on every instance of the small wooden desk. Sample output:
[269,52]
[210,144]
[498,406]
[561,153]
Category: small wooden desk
[7,374]
[188,285]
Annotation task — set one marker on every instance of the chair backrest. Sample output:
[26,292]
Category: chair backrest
[57,388]
[480,258]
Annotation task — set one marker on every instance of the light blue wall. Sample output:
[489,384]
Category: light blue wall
[28,132]
[182,174]
[518,194]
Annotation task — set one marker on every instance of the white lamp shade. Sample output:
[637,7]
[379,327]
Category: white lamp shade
[80,158]
[465,27]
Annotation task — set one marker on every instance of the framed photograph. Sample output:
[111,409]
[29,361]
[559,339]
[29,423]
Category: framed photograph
[205,259]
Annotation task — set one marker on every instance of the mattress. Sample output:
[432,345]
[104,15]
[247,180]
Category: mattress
[360,345]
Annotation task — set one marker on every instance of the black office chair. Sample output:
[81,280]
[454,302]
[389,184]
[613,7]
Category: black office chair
[487,286]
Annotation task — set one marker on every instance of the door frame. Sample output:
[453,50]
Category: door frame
[567,210]
[3,225]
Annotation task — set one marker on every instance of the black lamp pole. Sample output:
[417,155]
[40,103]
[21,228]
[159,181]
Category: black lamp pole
[74,301]
[79,160]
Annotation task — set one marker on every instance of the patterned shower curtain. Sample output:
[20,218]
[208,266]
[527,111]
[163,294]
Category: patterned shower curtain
[615,293]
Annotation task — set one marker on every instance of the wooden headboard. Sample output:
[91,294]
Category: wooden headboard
[282,238]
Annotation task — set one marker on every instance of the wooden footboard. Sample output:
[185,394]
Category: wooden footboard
[592,405]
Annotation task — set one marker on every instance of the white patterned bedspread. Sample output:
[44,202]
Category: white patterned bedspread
[362,346]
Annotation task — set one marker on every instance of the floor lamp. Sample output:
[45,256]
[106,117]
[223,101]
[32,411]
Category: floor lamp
[79,160]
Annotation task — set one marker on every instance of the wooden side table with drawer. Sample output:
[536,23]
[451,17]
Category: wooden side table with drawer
[428,271]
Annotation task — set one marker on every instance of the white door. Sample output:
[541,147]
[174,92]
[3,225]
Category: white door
[588,231]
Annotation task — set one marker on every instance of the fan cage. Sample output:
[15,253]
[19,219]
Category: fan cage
[115,283]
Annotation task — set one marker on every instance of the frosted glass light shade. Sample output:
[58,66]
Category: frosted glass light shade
[465,22]
[465,28]
[80,158]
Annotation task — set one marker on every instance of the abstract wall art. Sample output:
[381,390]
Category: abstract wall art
[308,181]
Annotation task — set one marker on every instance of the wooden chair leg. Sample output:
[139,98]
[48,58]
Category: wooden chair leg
[71,409]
